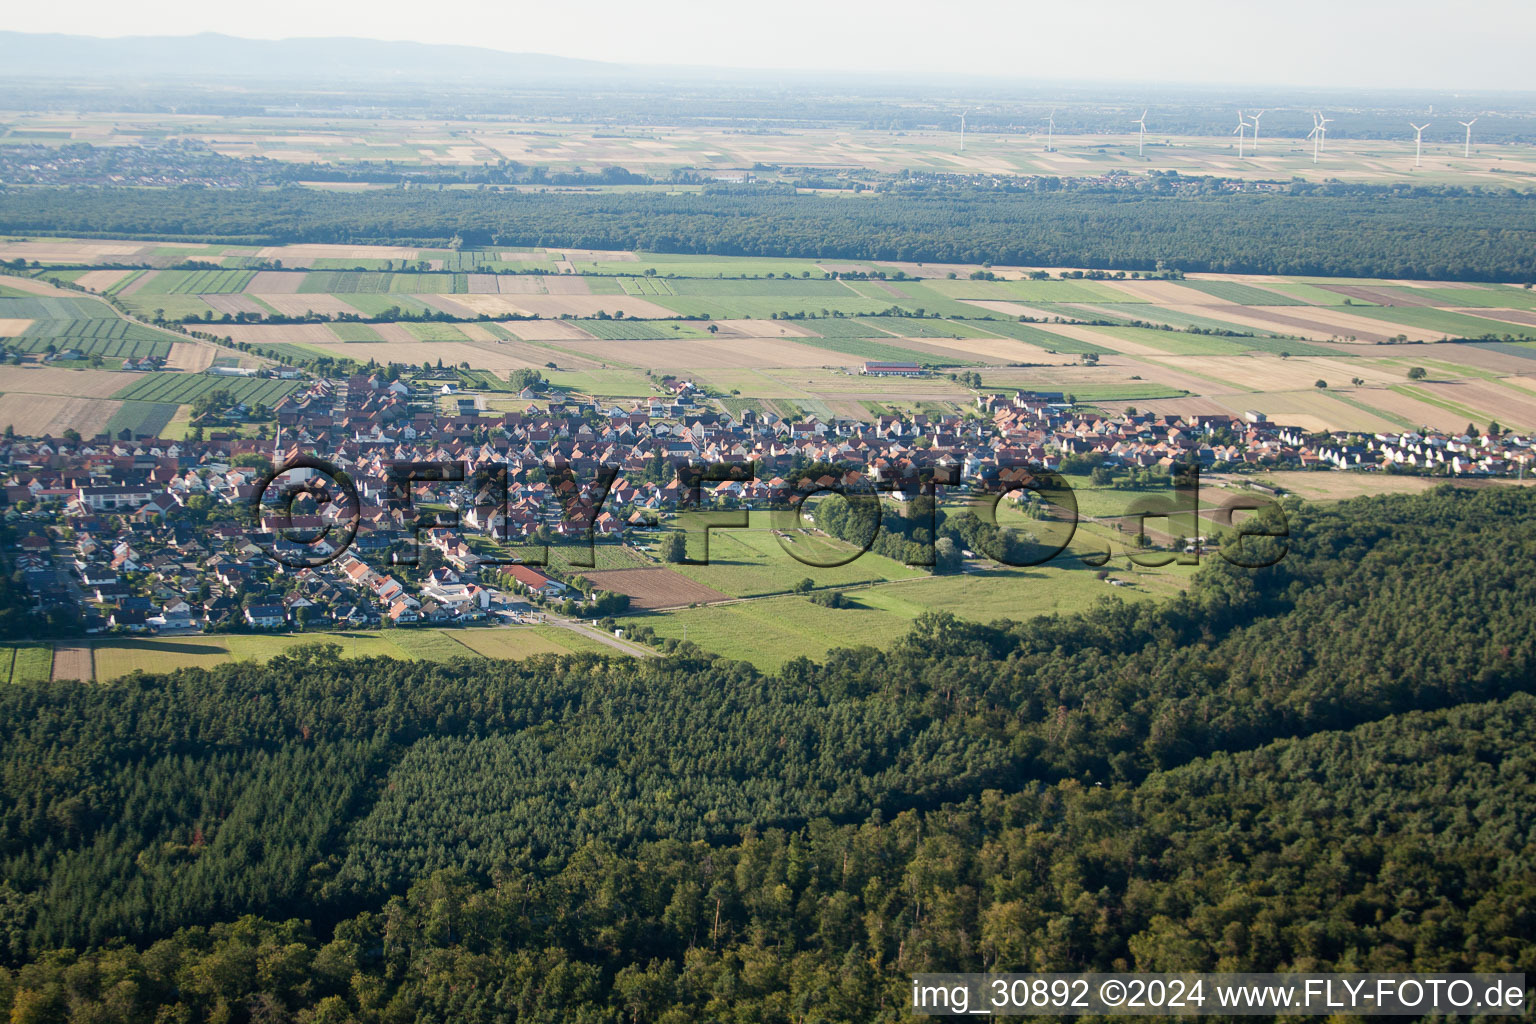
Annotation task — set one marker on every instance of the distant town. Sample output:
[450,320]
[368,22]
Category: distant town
[146,535]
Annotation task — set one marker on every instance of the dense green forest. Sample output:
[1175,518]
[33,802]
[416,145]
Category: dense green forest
[1414,233]
[1328,763]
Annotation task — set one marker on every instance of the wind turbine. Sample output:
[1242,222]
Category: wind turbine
[1050,129]
[1241,131]
[1468,126]
[967,110]
[1418,141]
[1322,130]
[1255,119]
[1142,135]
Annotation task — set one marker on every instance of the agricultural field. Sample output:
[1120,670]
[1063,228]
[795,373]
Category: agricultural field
[51,415]
[516,642]
[110,338]
[141,419]
[757,561]
[197,282]
[110,659]
[118,657]
[26,663]
[782,336]
[177,388]
[771,631]
[654,587]
[643,330]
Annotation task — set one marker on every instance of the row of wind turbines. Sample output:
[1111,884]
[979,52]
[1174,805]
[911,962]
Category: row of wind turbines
[1318,134]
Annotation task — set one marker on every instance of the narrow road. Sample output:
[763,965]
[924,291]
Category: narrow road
[622,646]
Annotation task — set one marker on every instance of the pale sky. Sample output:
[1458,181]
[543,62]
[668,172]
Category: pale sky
[1466,45]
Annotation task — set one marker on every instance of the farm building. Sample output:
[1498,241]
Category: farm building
[874,369]
[535,581]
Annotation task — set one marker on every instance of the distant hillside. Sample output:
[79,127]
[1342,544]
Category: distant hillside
[212,54]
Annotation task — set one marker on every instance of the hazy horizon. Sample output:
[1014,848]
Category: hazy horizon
[1479,46]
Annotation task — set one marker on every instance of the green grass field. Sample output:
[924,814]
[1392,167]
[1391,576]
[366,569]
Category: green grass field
[142,419]
[865,348]
[1241,294]
[26,663]
[746,563]
[641,330]
[1028,291]
[346,282]
[110,338]
[346,331]
[119,657]
[1176,343]
[177,388]
[197,282]
[1043,338]
[926,327]
[432,331]
[524,641]
[1452,325]
[842,327]
[771,631]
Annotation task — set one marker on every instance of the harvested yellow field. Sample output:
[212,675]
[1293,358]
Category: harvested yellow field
[517,284]
[449,304]
[764,329]
[1331,486]
[1510,406]
[234,304]
[546,330]
[1014,309]
[563,284]
[1317,410]
[298,305]
[475,332]
[13,327]
[709,353]
[489,305]
[1411,409]
[1094,337]
[54,414]
[192,356]
[274,282]
[1191,405]
[291,255]
[33,286]
[995,350]
[1317,322]
[1163,293]
[54,380]
[597,255]
[65,250]
[101,280]
[1271,373]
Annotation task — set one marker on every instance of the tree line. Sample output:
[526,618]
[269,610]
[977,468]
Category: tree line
[1413,233]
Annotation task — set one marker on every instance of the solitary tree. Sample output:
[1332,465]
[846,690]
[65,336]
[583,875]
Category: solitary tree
[1417,373]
